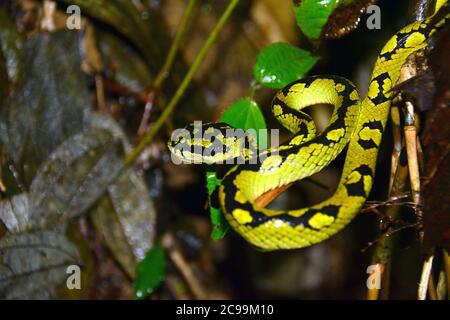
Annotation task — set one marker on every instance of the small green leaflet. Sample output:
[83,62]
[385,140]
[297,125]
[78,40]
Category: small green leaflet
[243,114]
[219,223]
[312,15]
[279,64]
[149,273]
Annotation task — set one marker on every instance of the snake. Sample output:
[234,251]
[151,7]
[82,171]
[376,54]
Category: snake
[353,123]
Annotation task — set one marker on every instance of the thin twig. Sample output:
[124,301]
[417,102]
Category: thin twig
[148,138]
[382,255]
[162,74]
[48,20]
[117,89]
[441,287]
[410,132]
[176,287]
[164,71]
[100,93]
[393,201]
[397,138]
[143,126]
[432,292]
[446,258]
[425,278]
[420,9]
[185,268]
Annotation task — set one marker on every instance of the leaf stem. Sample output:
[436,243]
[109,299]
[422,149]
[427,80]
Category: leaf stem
[162,75]
[148,138]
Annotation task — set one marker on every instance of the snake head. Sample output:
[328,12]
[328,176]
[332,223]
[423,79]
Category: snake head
[212,143]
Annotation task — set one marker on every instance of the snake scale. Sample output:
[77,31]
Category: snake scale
[359,125]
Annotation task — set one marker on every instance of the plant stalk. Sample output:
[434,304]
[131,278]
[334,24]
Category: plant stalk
[148,137]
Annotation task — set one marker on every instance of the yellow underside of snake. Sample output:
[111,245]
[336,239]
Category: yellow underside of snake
[359,125]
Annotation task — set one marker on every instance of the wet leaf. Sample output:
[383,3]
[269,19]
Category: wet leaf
[281,63]
[32,265]
[312,15]
[4,81]
[129,69]
[15,213]
[126,219]
[75,176]
[125,216]
[150,273]
[11,43]
[126,18]
[50,106]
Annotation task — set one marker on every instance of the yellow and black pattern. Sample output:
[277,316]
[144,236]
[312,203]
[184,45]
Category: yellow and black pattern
[358,124]
[211,143]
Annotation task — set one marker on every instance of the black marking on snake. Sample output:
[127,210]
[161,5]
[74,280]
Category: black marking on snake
[197,149]
[367,144]
[402,37]
[381,96]
[231,189]
[260,218]
[400,44]
[214,149]
[338,123]
[286,110]
[183,147]
[356,189]
[373,125]
[307,81]
[303,129]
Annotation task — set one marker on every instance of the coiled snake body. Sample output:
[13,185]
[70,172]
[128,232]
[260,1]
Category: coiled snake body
[358,124]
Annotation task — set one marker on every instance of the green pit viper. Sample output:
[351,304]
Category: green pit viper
[358,124]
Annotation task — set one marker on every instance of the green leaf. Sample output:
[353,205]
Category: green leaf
[312,15]
[212,182]
[281,63]
[220,224]
[149,273]
[245,114]
[218,221]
